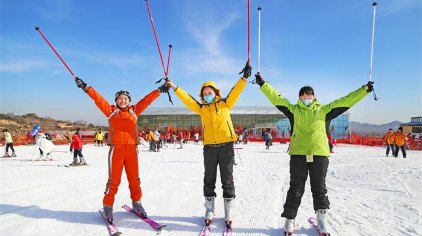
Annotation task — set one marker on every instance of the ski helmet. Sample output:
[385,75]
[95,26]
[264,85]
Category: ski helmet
[122,92]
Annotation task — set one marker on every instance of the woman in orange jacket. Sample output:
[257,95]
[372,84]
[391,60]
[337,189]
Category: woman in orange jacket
[122,119]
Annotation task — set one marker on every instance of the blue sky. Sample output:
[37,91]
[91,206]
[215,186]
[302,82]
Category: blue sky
[110,45]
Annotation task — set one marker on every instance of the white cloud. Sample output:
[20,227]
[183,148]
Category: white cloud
[22,65]
[209,56]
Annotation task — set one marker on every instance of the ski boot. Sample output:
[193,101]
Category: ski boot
[6,155]
[209,209]
[228,204]
[288,226]
[108,213]
[75,163]
[13,154]
[82,162]
[321,217]
[139,209]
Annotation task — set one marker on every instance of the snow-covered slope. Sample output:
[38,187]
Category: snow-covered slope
[370,194]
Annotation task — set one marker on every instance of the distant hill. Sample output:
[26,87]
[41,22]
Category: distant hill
[373,130]
[17,124]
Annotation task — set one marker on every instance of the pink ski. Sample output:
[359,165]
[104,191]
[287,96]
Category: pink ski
[314,224]
[148,220]
[112,229]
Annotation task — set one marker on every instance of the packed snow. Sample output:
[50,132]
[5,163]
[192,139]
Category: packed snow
[370,194]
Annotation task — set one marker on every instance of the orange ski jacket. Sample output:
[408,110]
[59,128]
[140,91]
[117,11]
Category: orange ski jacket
[122,122]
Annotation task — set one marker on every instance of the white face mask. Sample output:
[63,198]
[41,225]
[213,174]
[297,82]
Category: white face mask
[307,102]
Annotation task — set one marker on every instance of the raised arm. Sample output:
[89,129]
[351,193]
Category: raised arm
[146,101]
[187,99]
[341,105]
[234,94]
[101,103]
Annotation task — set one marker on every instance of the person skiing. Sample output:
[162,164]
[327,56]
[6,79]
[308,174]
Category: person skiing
[218,138]
[389,141]
[99,136]
[76,147]
[400,141]
[268,138]
[45,146]
[122,119]
[9,143]
[308,148]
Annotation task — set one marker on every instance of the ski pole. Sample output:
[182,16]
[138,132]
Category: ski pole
[159,49]
[168,60]
[54,50]
[374,4]
[259,39]
[156,37]
[249,37]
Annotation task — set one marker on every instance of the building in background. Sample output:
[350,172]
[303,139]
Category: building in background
[250,121]
[414,126]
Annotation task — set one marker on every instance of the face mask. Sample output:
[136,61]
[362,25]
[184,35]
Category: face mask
[307,102]
[209,98]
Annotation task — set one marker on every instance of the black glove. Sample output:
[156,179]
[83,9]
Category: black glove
[370,86]
[71,150]
[247,71]
[164,88]
[81,84]
[259,80]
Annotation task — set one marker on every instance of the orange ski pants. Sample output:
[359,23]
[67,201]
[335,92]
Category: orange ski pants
[122,156]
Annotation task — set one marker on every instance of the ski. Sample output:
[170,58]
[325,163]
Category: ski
[112,229]
[69,166]
[206,230]
[147,220]
[228,230]
[314,225]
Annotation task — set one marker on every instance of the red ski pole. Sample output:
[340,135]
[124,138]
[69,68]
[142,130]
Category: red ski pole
[54,50]
[156,38]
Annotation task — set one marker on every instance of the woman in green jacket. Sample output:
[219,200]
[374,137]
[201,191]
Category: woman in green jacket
[308,148]
[219,137]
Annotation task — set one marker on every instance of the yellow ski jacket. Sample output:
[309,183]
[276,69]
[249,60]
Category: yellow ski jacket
[217,124]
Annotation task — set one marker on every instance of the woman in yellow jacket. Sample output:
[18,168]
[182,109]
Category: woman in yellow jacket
[400,140]
[219,137]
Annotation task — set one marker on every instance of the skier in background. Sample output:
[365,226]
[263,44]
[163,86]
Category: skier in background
[122,119]
[9,143]
[218,139]
[99,136]
[45,146]
[400,141]
[76,147]
[389,141]
[308,148]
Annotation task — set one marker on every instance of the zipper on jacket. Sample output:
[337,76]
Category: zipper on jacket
[231,133]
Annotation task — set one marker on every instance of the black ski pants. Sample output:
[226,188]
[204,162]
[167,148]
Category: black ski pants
[221,155]
[9,145]
[398,148]
[392,149]
[299,170]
